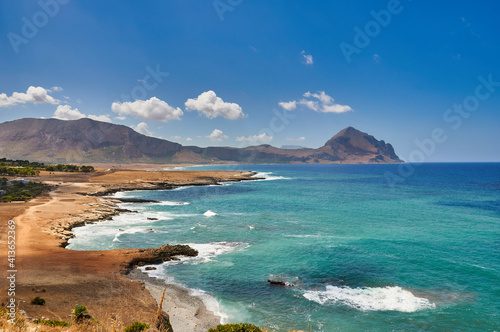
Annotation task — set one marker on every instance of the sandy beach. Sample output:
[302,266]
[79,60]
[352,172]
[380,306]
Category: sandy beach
[96,279]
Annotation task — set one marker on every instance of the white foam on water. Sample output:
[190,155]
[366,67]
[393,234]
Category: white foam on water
[182,188]
[268,177]
[208,252]
[307,236]
[210,302]
[209,214]
[171,203]
[132,230]
[182,168]
[371,299]
[119,194]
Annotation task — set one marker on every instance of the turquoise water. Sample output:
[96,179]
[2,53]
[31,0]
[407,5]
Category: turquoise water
[423,255]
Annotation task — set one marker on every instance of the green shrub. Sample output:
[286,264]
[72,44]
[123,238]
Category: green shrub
[38,301]
[241,327]
[137,327]
[50,322]
[80,314]
[78,310]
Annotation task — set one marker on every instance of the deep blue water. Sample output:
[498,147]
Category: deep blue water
[422,254]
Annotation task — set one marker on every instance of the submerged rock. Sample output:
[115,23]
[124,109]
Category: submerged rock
[280,281]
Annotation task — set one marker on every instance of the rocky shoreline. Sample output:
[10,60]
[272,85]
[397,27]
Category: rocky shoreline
[99,279]
[107,207]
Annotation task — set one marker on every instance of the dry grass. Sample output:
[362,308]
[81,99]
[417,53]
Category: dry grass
[111,323]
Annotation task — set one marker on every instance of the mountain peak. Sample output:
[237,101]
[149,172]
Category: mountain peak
[355,142]
[90,141]
[349,131]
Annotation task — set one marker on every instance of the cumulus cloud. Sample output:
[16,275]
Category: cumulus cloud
[212,106]
[103,118]
[152,109]
[308,58]
[319,102]
[261,139]
[289,105]
[142,128]
[65,112]
[180,138]
[56,88]
[217,136]
[298,139]
[36,95]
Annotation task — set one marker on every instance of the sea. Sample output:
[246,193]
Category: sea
[347,247]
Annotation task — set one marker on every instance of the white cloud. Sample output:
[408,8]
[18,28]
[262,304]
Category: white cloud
[376,58]
[180,138]
[56,88]
[262,138]
[36,95]
[212,106]
[311,104]
[142,128]
[152,109]
[298,139]
[217,136]
[308,58]
[289,105]
[65,112]
[103,118]
[319,102]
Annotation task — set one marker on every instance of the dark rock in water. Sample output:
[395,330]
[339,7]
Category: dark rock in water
[277,282]
[150,230]
[157,256]
[136,200]
[125,211]
[152,218]
[280,281]
[149,268]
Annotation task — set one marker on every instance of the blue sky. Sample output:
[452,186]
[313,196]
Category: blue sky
[421,75]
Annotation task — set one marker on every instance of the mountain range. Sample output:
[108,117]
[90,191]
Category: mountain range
[90,141]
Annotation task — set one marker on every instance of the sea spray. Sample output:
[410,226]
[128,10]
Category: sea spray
[370,299]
